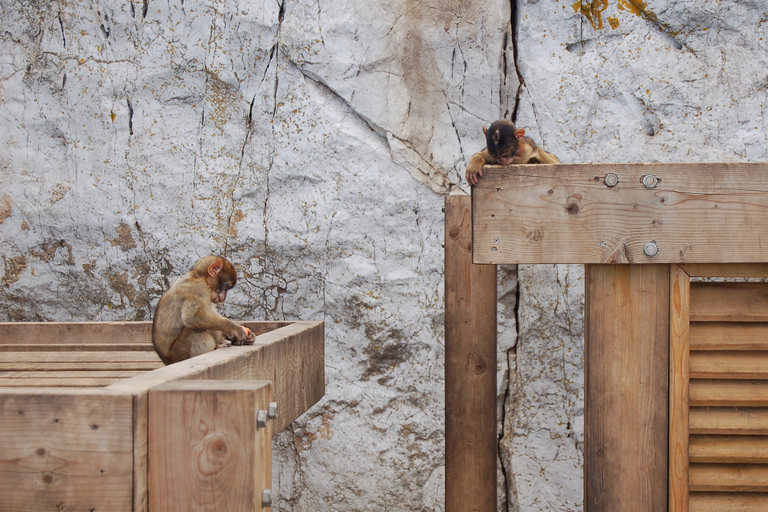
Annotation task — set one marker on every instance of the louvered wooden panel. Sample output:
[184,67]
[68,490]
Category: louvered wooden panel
[721,371]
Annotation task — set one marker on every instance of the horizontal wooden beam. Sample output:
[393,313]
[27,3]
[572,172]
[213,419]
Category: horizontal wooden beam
[694,213]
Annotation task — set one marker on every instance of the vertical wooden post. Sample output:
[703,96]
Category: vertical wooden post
[470,368]
[206,450]
[679,353]
[627,386]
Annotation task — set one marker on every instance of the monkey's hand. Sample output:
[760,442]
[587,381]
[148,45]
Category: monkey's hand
[245,337]
[475,168]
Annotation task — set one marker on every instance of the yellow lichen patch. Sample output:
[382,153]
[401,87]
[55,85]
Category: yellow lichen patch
[5,208]
[613,22]
[236,217]
[592,10]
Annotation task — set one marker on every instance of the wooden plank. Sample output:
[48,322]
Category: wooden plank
[470,368]
[82,366]
[747,393]
[48,333]
[729,336]
[731,302]
[725,502]
[78,347]
[49,382]
[729,477]
[716,364]
[626,387]
[566,214]
[729,449]
[726,270]
[117,374]
[77,357]
[679,355]
[728,420]
[65,450]
[206,449]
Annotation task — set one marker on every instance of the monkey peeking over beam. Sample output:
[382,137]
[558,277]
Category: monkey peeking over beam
[186,322]
[506,145]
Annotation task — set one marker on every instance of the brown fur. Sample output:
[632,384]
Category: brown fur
[186,322]
[506,145]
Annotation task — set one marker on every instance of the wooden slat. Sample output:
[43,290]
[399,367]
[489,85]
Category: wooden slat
[117,374]
[729,336]
[729,477]
[727,502]
[716,364]
[65,450]
[82,366]
[679,355]
[626,373]
[470,368]
[77,357]
[728,420]
[749,393]
[51,382]
[206,451]
[732,302]
[48,333]
[566,214]
[78,347]
[726,270]
[728,449]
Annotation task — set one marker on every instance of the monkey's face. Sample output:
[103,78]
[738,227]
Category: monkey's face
[501,141]
[219,289]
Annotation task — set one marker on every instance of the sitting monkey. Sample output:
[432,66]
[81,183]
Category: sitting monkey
[186,322]
[506,145]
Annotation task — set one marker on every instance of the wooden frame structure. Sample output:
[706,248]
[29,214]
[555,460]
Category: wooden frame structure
[676,392]
[90,419]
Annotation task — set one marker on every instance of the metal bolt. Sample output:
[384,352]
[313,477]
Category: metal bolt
[651,249]
[650,181]
[493,249]
[603,244]
[611,180]
[495,240]
[261,419]
[272,410]
[266,498]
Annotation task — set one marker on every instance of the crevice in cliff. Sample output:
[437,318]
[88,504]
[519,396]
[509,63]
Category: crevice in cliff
[130,116]
[63,35]
[521,82]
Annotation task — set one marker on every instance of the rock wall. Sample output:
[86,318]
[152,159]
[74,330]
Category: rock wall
[311,143]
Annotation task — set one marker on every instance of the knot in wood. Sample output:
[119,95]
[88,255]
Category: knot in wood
[573,206]
[476,364]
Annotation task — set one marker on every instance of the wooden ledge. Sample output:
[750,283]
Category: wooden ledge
[610,213]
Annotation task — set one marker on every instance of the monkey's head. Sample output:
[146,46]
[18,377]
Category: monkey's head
[219,274]
[501,139]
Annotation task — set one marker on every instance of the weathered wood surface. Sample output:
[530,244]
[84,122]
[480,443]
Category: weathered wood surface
[679,368]
[626,387]
[470,368]
[728,449]
[697,213]
[206,450]
[65,450]
[721,502]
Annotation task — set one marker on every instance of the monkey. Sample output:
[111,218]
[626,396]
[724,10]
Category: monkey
[506,145]
[186,323]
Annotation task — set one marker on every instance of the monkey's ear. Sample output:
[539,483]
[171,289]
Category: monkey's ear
[215,267]
[519,133]
[485,130]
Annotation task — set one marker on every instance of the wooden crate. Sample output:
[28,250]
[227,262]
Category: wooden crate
[75,413]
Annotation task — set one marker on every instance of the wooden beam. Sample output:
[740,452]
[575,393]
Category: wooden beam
[679,369]
[470,368]
[206,448]
[65,449]
[697,213]
[626,387]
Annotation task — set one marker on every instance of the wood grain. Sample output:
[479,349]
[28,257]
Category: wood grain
[728,449]
[724,502]
[698,213]
[679,357]
[721,364]
[470,368]
[731,302]
[729,336]
[729,477]
[728,420]
[713,393]
[206,451]
[65,450]
[627,385]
